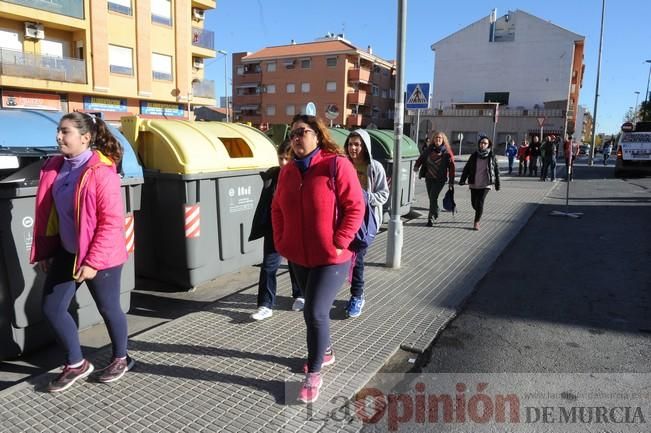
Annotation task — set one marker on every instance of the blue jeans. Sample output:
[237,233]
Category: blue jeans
[267,283]
[357,282]
[58,292]
[320,285]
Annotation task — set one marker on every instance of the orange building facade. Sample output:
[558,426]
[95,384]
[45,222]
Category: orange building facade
[115,57]
[354,87]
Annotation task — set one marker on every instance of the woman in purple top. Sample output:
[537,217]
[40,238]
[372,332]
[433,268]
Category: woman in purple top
[481,171]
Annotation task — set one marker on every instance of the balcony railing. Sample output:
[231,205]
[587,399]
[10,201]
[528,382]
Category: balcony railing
[204,89]
[70,8]
[359,74]
[26,65]
[203,38]
[358,97]
[488,112]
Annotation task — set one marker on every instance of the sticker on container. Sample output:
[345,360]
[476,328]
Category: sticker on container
[192,221]
[28,222]
[231,192]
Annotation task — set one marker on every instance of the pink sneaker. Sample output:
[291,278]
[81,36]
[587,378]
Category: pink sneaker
[328,359]
[310,390]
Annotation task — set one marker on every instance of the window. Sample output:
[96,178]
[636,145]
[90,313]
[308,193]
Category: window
[271,88]
[161,12]
[331,86]
[291,88]
[501,97]
[161,67]
[240,70]
[290,64]
[120,6]
[290,110]
[305,87]
[120,60]
[384,93]
[10,41]
[306,63]
[271,110]
[51,48]
[376,69]
[271,67]
[376,90]
[331,62]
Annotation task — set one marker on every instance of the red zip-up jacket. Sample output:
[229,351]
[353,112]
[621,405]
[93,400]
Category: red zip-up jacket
[304,209]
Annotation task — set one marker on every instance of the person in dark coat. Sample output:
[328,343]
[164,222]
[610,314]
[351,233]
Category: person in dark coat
[534,154]
[262,228]
[482,173]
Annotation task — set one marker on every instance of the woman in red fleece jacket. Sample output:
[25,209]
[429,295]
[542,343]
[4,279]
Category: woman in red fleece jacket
[314,222]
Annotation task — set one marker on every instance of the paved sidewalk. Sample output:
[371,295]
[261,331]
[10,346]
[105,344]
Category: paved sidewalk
[216,370]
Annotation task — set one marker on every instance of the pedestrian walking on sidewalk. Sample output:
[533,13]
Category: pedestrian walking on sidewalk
[570,152]
[511,151]
[314,222]
[262,228]
[608,147]
[373,180]
[548,151]
[79,237]
[436,165]
[523,158]
[482,172]
[534,154]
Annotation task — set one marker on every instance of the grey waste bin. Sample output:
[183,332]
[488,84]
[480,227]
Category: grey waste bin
[201,189]
[22,325]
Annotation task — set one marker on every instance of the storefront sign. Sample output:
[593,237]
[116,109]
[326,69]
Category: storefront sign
[37,101]
[161,109]
[95,103]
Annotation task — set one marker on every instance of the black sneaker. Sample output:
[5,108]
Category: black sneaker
[116,369]
[69,376]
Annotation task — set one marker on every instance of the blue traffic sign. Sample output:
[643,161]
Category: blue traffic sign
[417,96]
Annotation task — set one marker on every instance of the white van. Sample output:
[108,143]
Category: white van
[634,149]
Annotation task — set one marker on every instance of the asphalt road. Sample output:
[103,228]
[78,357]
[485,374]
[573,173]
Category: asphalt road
[561,320]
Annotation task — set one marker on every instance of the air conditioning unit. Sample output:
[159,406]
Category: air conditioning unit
[34,31]
[197,63]
[198,14]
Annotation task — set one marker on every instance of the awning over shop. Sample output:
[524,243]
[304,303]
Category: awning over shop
[247,86]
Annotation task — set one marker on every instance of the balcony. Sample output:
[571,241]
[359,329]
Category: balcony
[204,89]
[27,65]
[70,8]
[203,38]
[354,120]
[357,98]
[359,74]
[204,4]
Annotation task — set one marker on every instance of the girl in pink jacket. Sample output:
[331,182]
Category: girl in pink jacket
[79,237]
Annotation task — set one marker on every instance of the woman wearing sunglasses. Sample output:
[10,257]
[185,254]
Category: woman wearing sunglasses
[481,171]
[314,222]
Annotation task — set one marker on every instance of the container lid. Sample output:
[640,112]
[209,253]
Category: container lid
[186,147]
[382,143]
[37,134]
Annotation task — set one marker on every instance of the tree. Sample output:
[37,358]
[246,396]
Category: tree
[645,111]
[630,115]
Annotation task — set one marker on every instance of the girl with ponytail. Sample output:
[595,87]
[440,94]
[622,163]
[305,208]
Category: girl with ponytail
[79,237]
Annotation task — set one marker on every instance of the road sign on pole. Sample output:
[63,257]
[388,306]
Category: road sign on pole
[541,120]
[417,96]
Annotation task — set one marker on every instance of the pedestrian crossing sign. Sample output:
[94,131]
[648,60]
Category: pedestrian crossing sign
[417,96]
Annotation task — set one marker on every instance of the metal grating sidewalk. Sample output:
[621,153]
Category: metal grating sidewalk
[216,371]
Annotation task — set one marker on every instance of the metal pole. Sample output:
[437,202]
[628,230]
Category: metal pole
[495,114]
[646,95]
[637,95]
[417,128]
[596,94]
[394,244]
[225,54]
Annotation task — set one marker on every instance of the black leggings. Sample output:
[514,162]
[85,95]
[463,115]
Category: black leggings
[477,197]
[320,286]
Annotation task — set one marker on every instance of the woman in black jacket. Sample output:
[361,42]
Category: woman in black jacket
[481,171]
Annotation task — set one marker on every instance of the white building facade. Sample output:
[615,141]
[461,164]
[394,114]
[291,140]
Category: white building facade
[532,68]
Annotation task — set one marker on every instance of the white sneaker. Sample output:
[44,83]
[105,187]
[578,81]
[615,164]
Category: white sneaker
[262,313]
[299,304]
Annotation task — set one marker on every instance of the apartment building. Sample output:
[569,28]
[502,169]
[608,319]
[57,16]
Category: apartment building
[529,66]
[349,86]
[114,57]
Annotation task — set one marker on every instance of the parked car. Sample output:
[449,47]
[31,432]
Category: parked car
[584,149]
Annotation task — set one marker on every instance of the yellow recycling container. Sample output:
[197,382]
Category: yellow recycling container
[202,185]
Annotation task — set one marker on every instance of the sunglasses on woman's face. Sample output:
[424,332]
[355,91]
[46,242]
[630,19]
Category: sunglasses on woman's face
[299,132]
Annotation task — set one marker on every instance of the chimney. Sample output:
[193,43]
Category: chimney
[370,49]
[293,42]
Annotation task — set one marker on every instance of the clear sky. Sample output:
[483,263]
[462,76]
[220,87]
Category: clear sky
[250,25]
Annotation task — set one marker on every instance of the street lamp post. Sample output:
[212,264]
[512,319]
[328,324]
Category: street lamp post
[225,53]
[637,95]
[596,93]
[646,95]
